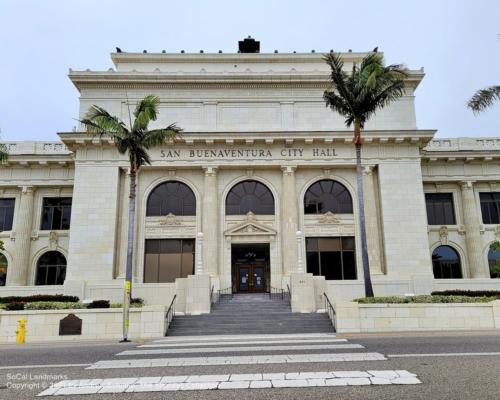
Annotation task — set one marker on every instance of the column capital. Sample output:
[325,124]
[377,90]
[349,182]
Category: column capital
[210,170]
[26,189]
[368,169]
[467,185]
[288,170]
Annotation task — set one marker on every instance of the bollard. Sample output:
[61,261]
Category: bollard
[21,331]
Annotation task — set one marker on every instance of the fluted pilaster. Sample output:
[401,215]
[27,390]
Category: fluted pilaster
[289,217]
[17,273]
[477,265]
[371,218]
[210,222]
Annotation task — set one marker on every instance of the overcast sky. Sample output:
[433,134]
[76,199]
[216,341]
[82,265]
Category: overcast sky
[456,41]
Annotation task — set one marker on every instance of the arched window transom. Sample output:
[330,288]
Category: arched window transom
[494,263]
[250,196]
[171,198]
[327,195]
[446,263]
[3,269]
[51,269]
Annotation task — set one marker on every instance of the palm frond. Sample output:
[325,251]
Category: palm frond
[98,121]
[145,112]
[157,137]
[484,98]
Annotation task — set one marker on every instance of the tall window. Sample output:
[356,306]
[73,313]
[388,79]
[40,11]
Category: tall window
[446,263]
[494,263]
[331,257]
[171,198]
[56,213]
[250,196]
[3,269]
[51,269]
[440,210]
[490,206]
[168,259]
[6,214]
[327,195]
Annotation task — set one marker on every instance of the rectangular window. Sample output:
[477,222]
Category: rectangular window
[331,257]
[56,213]
[440,210]
[490,206]
[166,260]
[6,214]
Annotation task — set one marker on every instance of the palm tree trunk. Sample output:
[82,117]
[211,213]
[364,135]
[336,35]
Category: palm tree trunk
[361,210]
[130,253]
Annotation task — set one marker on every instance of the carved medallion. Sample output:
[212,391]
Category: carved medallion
[443,234]
[329,218]
[169,220]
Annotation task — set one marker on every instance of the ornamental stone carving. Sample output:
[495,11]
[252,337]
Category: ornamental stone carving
[443,235]
[329,218]
[170,220]
[53,240]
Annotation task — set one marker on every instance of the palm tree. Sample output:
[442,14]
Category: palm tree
[357,96]
[134,140]
[483,99]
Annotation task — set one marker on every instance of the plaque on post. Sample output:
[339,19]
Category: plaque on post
[70,325]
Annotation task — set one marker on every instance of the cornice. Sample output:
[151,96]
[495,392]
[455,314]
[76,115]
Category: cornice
[170,80]
[262,58]
[420,138]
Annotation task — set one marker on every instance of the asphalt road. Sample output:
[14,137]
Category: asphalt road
[451,376]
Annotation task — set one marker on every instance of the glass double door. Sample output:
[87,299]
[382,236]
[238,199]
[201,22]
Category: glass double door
[251,277]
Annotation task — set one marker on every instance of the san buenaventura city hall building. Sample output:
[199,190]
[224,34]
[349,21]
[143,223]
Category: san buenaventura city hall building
[258,192]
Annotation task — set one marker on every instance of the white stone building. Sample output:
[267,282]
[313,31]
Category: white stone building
[259,191]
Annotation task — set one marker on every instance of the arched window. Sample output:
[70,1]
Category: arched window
[171,198]
[327,195]
[51,269]
[446,263]
[3,269]
[249,196]
[494,263]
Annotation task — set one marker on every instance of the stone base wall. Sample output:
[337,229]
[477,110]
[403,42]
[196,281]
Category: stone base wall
[43,325]
[354,317]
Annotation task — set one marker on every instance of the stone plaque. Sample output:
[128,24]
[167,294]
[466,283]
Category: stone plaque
[70,325]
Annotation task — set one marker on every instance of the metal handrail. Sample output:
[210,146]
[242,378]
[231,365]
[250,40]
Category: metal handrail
[275,293]
[169,316]
[331,312]
[224,294]
[212,295]
[289,294]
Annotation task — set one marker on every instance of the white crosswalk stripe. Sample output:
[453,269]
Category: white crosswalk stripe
[263,349]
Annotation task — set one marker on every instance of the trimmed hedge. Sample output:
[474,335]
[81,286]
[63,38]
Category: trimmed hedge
[468,293]
[39,297]
[52,305]
[99,304]
[424,299]
[14,306]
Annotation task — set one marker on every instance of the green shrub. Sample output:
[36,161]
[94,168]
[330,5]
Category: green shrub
[468,293]
[14,306]
[99,304]
[52,305]
[39,297]
[137,300]
[132,305]
[3,306]
[424,299]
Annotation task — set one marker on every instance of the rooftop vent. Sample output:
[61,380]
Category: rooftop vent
[248,45]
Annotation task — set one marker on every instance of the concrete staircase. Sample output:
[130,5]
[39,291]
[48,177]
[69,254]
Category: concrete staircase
[250,314]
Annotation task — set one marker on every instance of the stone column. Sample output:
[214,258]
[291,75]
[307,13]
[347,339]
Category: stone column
[210,222]
[372,225]
[17,273]
[289,221]
[477,265]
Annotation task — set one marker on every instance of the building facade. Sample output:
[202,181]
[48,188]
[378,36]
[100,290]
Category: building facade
[258,192]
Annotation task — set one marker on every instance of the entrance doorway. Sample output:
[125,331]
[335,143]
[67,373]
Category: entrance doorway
[250,267]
